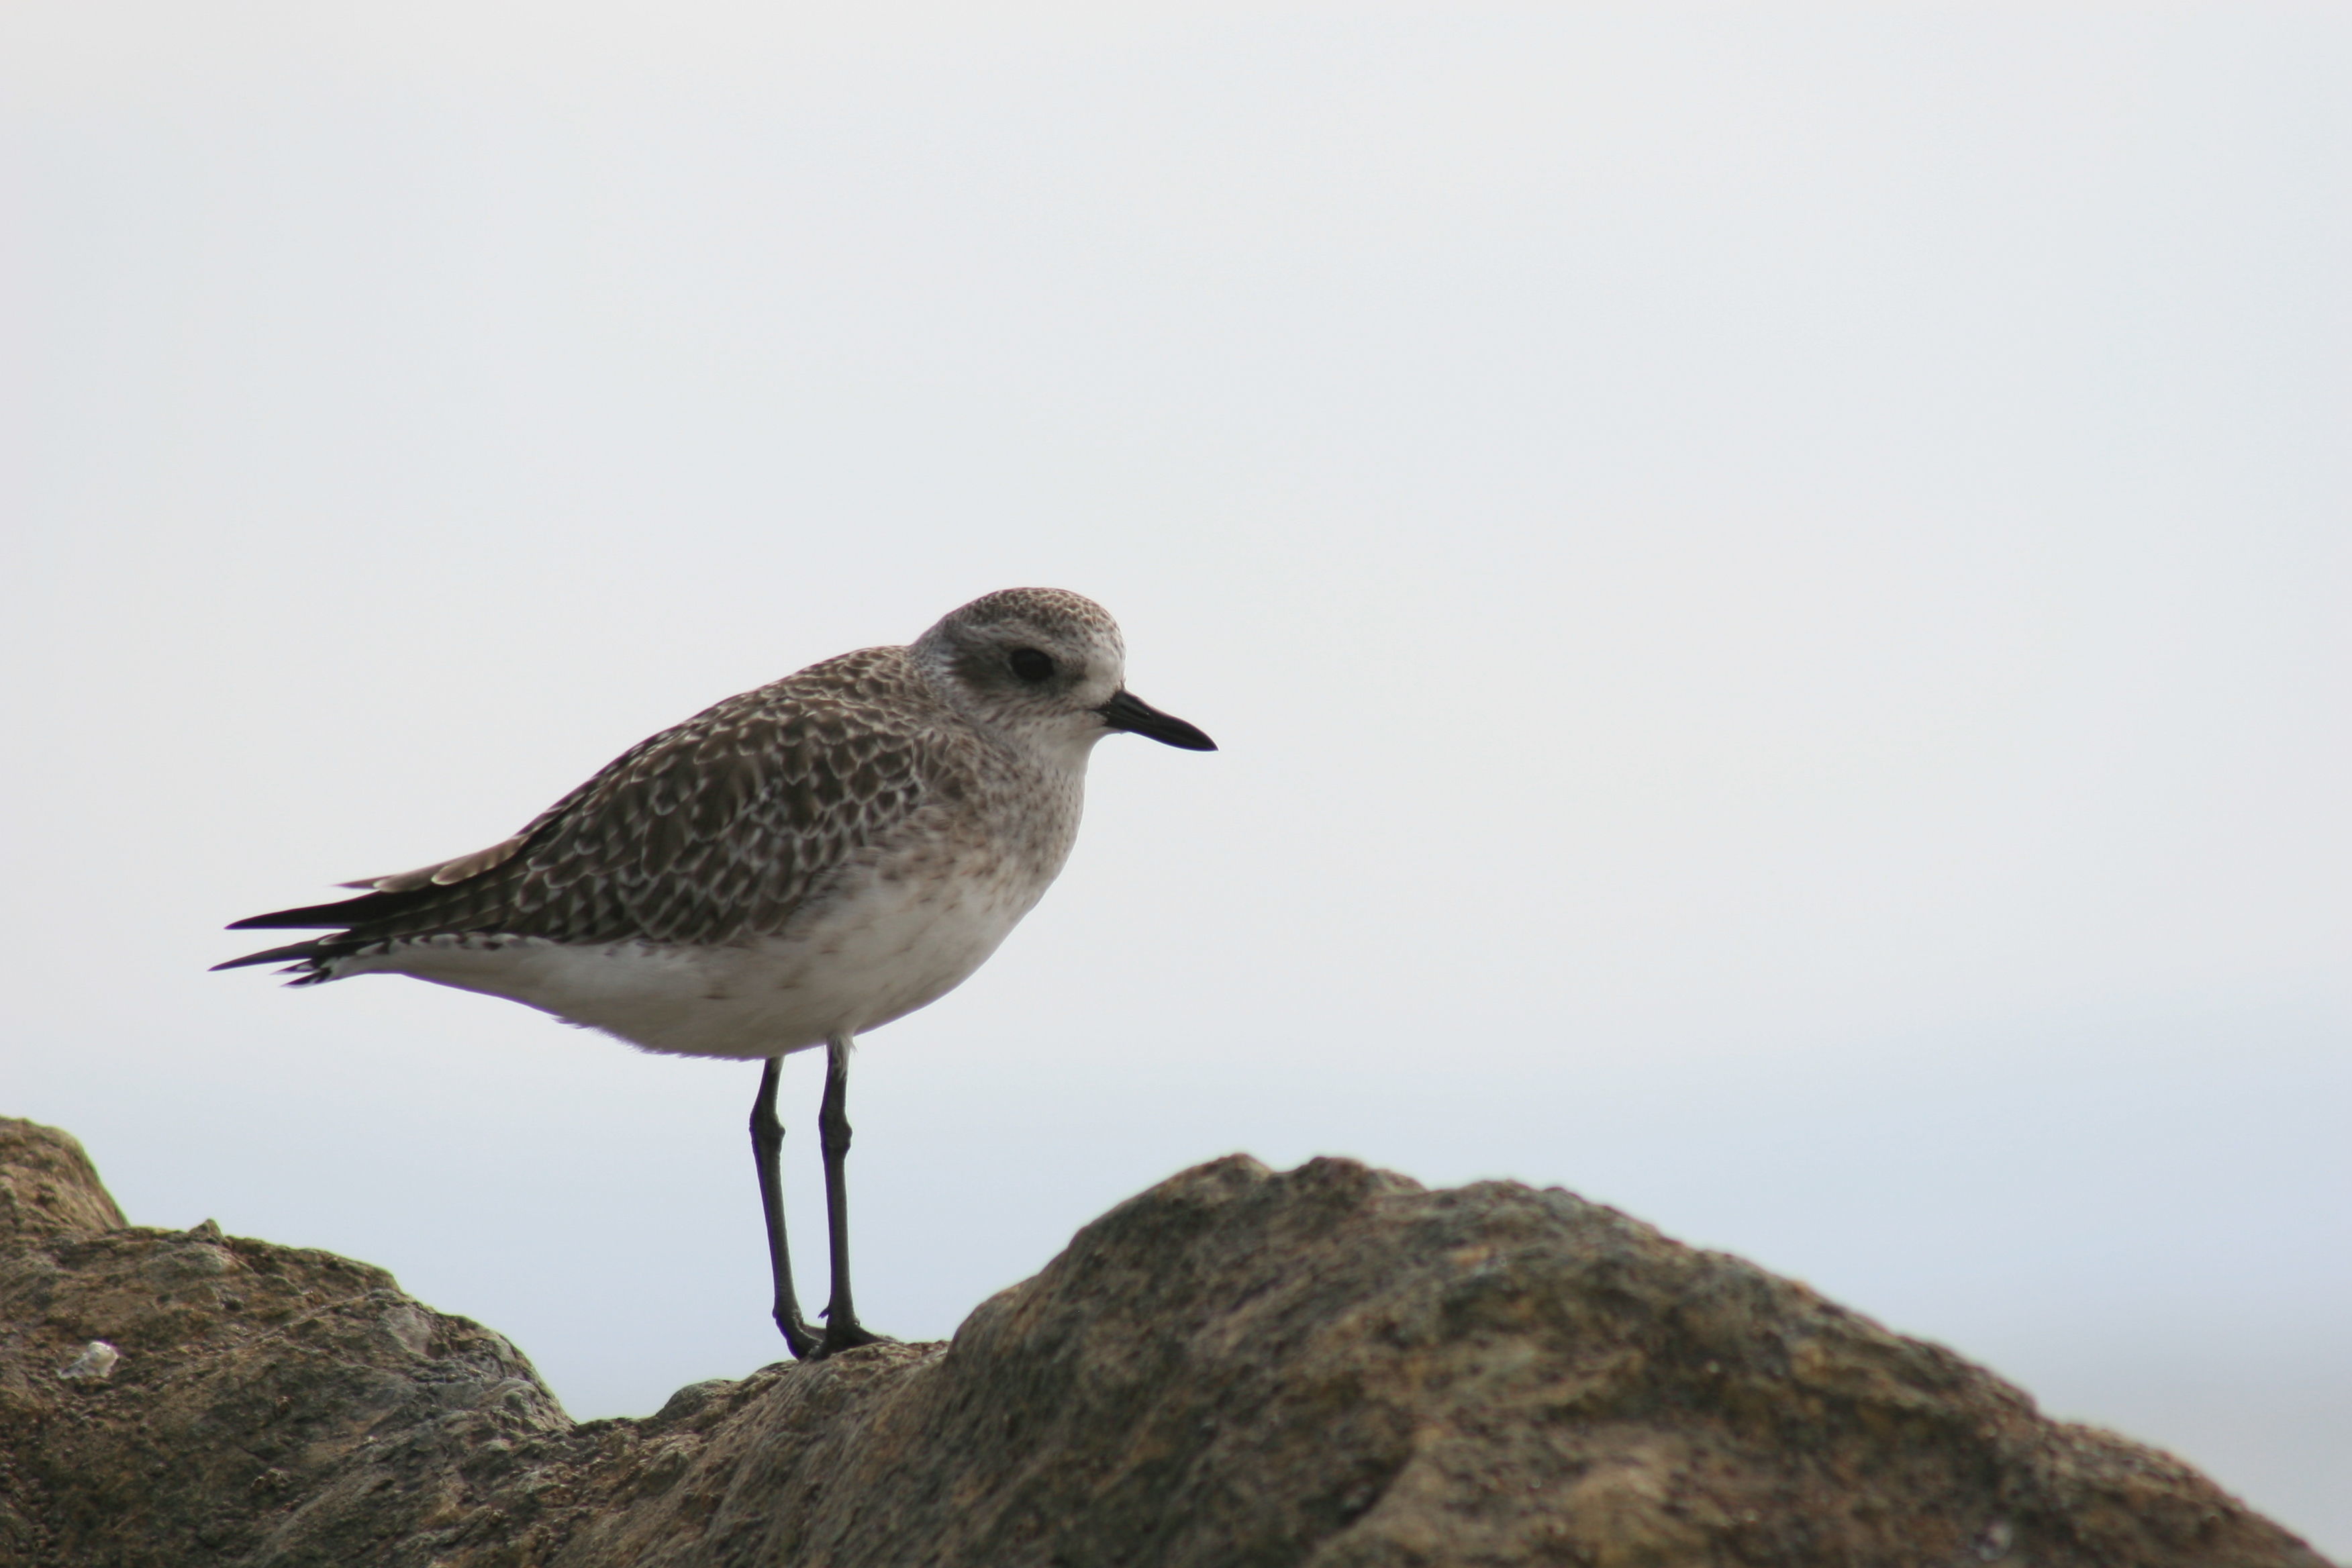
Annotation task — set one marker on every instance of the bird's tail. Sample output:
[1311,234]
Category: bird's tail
[309,960]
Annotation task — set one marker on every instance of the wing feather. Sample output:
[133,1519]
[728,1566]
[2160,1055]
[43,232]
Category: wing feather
[718,828]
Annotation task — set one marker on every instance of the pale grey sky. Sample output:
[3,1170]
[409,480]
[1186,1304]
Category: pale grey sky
[1771,580]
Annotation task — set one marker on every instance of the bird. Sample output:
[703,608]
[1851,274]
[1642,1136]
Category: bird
[790,867]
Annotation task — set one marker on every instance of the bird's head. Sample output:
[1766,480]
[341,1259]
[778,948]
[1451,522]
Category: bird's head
[1046,666]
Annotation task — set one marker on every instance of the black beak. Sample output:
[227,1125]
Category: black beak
[1128,711]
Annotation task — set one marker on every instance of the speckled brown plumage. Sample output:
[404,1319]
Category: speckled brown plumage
[715,829]
[748,820]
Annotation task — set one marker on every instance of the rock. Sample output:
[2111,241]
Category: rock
[47,1186]
[1331,1366]
[267,1404]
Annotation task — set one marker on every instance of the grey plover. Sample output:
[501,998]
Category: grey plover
[796,865]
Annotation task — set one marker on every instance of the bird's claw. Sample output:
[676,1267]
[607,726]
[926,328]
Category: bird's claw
[801,1338]
[845,1335]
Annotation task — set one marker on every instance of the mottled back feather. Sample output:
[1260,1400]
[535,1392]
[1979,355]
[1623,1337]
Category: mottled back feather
[715,830]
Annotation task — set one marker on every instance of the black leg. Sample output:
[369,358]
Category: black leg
[842,1329]
[767,1144]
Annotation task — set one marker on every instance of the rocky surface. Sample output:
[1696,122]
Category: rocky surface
[1331,1366]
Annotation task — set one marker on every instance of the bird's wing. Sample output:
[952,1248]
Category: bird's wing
[715,829]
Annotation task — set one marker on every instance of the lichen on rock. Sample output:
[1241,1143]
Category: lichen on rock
[1331,1367]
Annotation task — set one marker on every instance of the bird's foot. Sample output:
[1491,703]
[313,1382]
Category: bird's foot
[801,1337]
[848,1333]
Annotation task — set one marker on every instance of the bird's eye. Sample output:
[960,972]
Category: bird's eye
[1031,665]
